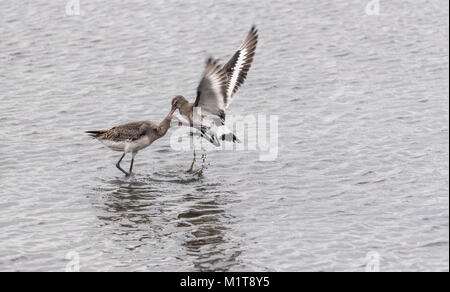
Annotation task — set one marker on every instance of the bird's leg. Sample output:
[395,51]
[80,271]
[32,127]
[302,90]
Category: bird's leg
[118,165]
[200,171]
[191,169]
[132,162]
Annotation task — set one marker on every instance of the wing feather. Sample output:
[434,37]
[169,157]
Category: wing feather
[212,89]
[128,132]
[217,86]
[238,66]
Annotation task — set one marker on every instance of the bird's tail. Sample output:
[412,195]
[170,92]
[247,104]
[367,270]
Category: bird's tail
[215,135]
[209,136]
[230,137]
[226,134]
[95,134]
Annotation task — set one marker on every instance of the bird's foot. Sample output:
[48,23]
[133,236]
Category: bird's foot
[124,172]
[191,169]
[198,172]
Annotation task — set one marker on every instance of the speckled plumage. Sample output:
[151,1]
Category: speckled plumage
[127,132]
[132,137]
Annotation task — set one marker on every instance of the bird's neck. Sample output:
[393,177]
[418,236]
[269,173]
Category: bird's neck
[165,125]
[186,109]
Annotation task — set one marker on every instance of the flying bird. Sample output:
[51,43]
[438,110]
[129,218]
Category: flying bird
[132,137]
[215,94]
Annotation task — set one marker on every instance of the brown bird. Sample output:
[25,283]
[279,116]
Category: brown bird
[132,137]
[215,92]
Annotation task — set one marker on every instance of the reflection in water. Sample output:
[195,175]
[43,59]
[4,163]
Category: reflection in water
[207,242]
[129,202]
[165,212]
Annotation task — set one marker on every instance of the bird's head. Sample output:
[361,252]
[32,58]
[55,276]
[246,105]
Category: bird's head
[177,101]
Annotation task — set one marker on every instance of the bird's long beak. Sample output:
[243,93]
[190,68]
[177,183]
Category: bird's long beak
[172,111]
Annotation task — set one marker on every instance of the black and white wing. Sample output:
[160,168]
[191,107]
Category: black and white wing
[211,91]
[209,106]
[238,66]
[217,87]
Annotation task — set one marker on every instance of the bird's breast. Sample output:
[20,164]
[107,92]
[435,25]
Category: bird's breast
[114,145]
[139,144]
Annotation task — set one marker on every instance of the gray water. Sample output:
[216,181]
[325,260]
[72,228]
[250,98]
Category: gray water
[362,173]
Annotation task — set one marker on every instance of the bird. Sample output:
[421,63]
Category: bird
[132,137]
[215,94]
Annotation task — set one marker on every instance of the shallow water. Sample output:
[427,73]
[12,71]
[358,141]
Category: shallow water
[362,166]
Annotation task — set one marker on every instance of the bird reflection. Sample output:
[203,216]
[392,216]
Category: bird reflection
[132,211]
[159,214]
[206,241]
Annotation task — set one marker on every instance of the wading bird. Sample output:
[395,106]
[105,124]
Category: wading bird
[132,137]
[215,92]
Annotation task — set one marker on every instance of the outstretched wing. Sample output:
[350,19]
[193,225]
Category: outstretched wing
[238,66]
[216,88]
[211,91]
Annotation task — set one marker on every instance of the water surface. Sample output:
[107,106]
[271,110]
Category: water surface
[362,167]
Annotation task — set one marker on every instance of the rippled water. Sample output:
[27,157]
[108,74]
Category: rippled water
[362,167]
